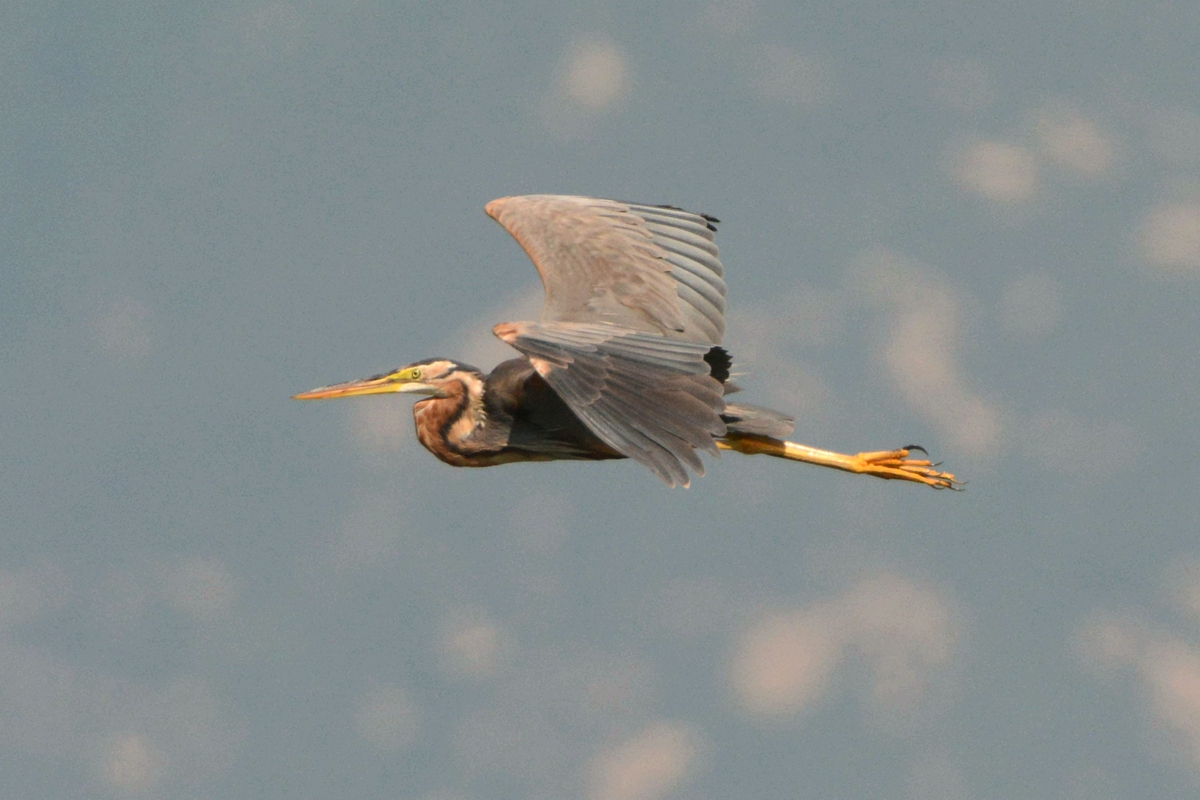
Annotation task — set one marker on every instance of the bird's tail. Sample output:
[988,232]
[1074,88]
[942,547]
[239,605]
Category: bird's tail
[743,418]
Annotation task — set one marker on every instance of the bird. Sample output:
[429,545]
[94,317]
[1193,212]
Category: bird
[626,361]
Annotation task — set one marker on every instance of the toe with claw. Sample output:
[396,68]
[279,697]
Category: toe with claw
[896,465]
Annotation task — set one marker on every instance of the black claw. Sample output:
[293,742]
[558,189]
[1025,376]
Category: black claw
[915,447]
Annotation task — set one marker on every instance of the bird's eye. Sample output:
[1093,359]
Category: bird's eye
[416,373]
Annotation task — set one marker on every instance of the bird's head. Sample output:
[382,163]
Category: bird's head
[429,377]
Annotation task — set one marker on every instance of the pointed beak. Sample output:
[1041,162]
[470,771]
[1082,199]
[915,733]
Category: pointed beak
[381,384]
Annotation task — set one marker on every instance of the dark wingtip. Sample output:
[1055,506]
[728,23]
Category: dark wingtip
[709,219]
[719,361]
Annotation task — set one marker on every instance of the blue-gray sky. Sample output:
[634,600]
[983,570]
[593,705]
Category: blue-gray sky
[975,226]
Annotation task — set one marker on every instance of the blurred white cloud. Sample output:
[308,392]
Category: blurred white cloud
[1109,643]
[387,717]
[470,645]
[594,74]
[1170,238]
[1171,672]
[590,80]
[783,74]
[904,630]
[131,764]
[1030,306]
[922,365]
[998,171]
[648,766]
[1166,672]
[1164,665]
[1073,142]
[786,661]
[921,352]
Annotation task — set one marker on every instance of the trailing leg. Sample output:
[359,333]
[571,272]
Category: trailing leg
[887,464]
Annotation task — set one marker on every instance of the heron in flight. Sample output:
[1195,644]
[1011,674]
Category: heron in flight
[626,361]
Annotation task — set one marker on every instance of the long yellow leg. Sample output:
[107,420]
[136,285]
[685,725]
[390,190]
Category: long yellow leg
[888,464]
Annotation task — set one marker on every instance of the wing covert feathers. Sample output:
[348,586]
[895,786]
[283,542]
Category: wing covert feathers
[646,268]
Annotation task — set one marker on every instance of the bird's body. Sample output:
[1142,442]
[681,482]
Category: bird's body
[479,420]
[626,361]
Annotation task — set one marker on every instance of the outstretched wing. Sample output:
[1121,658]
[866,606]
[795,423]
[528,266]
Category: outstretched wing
[646,396]
[647,268]
[635,300]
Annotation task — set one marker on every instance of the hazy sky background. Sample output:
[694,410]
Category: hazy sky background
[971,225]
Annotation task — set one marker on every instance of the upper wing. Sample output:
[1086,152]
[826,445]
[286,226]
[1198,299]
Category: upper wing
[647,397]
[646,268]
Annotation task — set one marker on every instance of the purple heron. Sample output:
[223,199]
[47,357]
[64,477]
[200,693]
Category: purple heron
[626,361]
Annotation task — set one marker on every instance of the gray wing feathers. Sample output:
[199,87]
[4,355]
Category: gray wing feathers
[648,397]
[646,268]
[635,298]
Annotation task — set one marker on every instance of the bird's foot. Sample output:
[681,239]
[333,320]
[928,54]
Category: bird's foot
[896,465]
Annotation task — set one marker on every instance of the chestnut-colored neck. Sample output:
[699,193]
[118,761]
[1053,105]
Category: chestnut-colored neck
[448,424]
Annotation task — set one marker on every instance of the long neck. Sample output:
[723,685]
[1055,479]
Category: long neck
[451,425]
